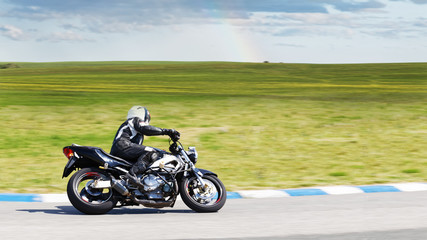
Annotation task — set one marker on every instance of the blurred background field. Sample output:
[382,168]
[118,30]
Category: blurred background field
[258,125]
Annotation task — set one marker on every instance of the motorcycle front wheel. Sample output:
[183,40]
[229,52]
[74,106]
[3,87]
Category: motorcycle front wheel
[210,199]
[87,199]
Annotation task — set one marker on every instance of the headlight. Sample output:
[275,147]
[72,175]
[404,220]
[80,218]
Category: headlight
[192,154]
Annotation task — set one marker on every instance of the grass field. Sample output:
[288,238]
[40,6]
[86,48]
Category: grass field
[258,125]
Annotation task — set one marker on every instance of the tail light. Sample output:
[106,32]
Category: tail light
[68,152]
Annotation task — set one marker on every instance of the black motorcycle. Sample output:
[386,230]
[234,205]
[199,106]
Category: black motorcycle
[102,182]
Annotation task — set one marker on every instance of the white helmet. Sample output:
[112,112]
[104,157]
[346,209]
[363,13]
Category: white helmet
[141,112]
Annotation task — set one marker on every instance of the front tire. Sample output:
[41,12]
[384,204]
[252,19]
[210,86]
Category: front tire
[211,199]
[90,200]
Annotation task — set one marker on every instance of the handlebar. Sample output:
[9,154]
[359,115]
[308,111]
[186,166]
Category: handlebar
[174,147]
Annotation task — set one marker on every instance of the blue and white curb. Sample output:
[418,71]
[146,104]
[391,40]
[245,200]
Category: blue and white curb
[330,190]
[24,197]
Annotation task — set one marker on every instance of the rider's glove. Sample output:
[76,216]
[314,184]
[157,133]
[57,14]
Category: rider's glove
[173,134]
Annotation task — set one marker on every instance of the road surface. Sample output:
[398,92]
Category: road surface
[388,216]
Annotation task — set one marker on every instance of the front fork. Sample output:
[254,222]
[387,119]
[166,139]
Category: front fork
[199,176]
[197,172]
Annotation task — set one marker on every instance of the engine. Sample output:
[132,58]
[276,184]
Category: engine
[157,184]
[154,187]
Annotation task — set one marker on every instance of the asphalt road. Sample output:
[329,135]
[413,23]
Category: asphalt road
[388,216]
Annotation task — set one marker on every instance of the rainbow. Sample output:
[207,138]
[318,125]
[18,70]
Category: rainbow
[239,43]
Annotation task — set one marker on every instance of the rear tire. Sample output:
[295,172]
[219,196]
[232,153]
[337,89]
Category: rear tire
[90,200]
[211,200]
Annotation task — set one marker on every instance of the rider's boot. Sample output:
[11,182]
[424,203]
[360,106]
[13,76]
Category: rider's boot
[139,167]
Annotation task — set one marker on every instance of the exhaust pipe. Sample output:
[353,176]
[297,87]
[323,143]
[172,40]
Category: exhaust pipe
[119,187]
[152,203]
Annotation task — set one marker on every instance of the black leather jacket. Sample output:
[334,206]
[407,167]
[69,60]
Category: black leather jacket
[131,134]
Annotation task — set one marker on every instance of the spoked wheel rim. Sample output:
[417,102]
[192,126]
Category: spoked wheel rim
[89,194]
[209,196]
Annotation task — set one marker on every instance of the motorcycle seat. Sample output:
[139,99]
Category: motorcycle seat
[116,158]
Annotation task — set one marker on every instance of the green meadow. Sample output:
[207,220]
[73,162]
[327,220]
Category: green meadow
[258,125]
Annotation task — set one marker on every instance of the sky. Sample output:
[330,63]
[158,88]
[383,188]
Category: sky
[289,31]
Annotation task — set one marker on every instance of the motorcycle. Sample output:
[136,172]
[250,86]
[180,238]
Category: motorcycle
[102,183]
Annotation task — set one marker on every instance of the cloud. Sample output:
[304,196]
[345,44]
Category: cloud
[304,19]
[340,25]
[78,18]
[12,32]
[289,45]
[414,1]
[352,6]
[421,22]
[112,16]
[291,32]
[67,36]
[169,11]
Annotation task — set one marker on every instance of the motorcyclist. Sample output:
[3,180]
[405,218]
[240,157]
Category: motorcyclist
[128,141]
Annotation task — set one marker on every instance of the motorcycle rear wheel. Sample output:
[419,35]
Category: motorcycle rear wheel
[211,199]
[87,199]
